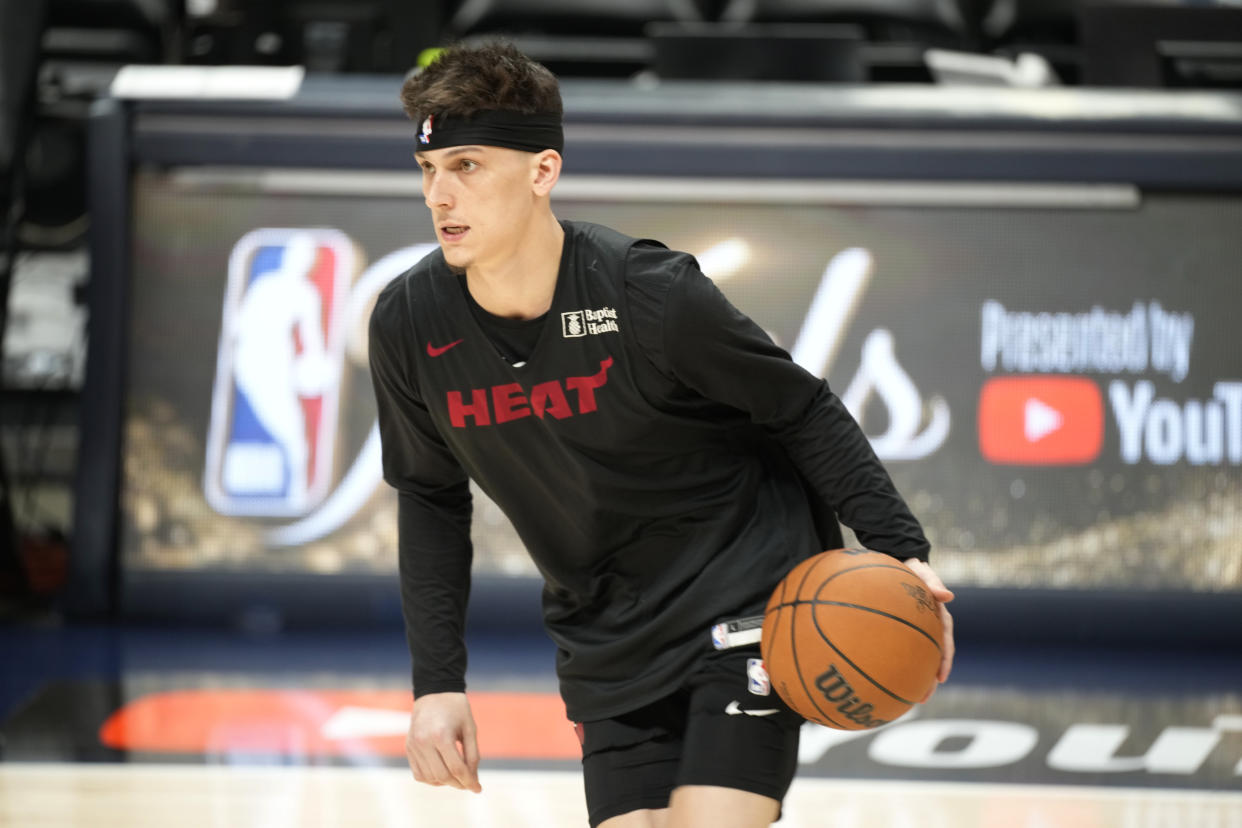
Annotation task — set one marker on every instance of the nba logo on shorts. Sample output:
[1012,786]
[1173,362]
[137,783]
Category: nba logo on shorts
[275,402]
[757,680]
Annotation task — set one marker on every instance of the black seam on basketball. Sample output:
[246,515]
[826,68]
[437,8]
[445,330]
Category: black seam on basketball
[922,631]
[776,628]
[793,648]
[783,587]
[860,670]
[829,579]
[897,566]
[766,634]
[828,641]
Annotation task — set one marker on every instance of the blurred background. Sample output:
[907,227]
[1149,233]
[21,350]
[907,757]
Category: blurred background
[1005,231]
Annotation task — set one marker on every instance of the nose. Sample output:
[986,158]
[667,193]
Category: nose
[436,191]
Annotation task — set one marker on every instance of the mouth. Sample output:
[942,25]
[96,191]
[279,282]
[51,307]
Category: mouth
[453,232]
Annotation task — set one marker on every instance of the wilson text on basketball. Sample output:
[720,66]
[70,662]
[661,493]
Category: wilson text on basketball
[839,693]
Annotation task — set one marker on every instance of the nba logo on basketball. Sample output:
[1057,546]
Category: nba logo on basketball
[275,402]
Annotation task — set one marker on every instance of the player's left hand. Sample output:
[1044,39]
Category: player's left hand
[943,595]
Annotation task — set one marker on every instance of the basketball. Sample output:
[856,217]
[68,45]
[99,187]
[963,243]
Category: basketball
[851,639]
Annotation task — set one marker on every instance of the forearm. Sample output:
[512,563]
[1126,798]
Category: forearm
[434,556]
[433,508]
[835,457]
[726,357]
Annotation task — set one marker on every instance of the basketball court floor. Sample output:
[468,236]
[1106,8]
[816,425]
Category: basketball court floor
[144,727]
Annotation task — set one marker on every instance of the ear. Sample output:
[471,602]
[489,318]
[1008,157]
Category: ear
[545,170]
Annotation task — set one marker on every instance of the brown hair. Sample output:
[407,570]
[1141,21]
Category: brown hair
[464,80]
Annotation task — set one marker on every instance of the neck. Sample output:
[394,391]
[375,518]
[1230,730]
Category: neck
[520,284]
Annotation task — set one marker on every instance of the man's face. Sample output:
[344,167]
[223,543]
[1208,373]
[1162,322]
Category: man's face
[480,199]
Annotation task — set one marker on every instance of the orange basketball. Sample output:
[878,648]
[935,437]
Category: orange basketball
[851,639]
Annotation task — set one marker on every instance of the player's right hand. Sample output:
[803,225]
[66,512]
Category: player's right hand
[441,746]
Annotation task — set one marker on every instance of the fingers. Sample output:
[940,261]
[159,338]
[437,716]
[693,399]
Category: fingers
[947,651]
[442,748]
[928,575]
[943,595]
[470,745]
[460,774]
[423,767]
[948,648]
[442,763]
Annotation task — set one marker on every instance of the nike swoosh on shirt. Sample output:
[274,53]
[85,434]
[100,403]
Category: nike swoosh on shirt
[433,351]
[734,709]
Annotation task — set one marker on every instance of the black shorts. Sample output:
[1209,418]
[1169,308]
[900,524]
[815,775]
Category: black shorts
[713,731]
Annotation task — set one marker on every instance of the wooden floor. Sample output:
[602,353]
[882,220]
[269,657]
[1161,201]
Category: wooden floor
[148,728]
[54,795]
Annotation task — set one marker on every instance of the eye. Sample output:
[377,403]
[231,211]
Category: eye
[469,166]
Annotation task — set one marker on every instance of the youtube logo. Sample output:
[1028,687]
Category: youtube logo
[1040,421]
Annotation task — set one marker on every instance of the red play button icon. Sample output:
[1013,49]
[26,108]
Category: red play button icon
[1040,421]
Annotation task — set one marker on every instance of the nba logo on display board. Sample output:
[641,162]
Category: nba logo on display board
[275,402]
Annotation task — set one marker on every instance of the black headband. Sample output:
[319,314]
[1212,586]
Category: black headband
[493,128]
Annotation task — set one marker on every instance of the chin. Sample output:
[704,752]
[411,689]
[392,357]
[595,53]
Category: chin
[457,260]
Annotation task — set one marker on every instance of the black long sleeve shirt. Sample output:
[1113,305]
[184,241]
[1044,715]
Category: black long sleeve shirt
[661,459]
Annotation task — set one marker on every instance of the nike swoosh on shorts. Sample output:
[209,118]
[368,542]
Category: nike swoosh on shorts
[734,709]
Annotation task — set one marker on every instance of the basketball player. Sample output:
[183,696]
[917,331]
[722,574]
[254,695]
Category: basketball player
[662,460]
